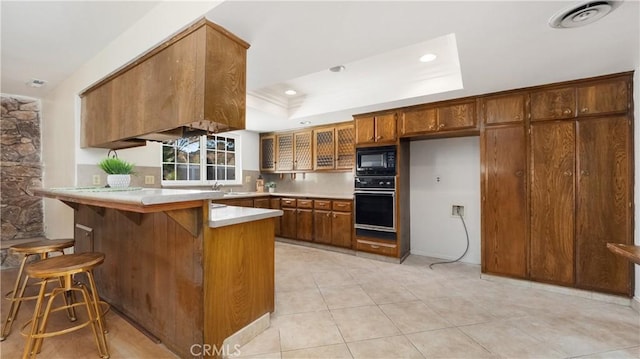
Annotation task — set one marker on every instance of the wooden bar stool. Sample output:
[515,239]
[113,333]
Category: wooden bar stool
[65,267]
[43,249]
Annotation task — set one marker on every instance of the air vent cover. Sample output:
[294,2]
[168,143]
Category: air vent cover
[582,14]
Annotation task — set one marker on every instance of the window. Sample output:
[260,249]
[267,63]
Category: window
[202,160]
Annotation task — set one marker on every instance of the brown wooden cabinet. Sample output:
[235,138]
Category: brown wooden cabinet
[604,203]
[268,153]
[333,222]
[552,243]
[304,225]
[274,203]
[333,147]
[261,202]
[504,198]
[377,129]
[302,151]
[504,109]
[606,97]
[284,152]
[431,119]
[553,104]
[288,227]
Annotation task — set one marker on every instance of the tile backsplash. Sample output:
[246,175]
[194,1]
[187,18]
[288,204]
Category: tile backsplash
[314,183]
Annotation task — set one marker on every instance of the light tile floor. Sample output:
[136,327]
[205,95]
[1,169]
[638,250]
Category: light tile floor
[333,305]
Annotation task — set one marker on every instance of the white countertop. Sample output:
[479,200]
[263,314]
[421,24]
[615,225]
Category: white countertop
[136,195]
[232,195]
[220,216]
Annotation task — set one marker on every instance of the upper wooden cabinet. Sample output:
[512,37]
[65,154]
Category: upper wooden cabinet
[605,97]
[432,119]
[377,129]
[292,152]
[554,104]
[302,151]
[502,109]
[194,80]
[333,147]
[284,152]
[268,153]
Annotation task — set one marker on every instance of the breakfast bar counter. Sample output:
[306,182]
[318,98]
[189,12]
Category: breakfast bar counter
[187,272]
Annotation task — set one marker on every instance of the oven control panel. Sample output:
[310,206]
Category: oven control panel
[375,182]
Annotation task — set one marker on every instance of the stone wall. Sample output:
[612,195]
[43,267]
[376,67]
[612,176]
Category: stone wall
[21,168]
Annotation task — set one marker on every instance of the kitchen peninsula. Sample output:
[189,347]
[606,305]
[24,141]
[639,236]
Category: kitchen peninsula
[188,272]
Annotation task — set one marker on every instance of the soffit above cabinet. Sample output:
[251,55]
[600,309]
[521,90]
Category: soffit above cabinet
[193,83]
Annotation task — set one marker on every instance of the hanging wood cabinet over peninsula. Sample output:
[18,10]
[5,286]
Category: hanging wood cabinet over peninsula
[192,83]
[557,183]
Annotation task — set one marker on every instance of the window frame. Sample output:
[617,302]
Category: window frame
[203,165]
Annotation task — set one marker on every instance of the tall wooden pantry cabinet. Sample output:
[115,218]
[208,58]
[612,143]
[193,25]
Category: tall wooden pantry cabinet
[557,182]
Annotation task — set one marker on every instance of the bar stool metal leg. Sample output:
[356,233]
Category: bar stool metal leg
[15,304]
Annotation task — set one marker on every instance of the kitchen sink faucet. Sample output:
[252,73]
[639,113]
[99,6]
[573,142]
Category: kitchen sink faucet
[216,186]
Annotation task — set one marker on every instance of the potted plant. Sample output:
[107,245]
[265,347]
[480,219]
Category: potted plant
[118,171]
[271,186]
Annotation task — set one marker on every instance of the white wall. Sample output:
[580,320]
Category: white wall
[61,107]
[434,232]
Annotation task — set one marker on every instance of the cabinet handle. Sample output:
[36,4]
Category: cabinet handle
[585,172]
[567,111]
[340,205]
[334,215]
[519,173]
[441,125]
[327,214]
[517,118]
[568,173]
[584,110]
[371,138]
[378,138]
[374,246]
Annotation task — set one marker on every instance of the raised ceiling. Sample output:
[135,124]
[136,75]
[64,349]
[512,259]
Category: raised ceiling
[497,45]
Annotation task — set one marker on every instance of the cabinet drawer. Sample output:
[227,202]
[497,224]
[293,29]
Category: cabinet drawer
[322,204]
[342,206]
[305,203]
[288,202]
[376,247]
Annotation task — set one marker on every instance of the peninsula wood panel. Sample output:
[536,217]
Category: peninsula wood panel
[603,203]
[504,201]
[552,202]
[239,258]
[143,250]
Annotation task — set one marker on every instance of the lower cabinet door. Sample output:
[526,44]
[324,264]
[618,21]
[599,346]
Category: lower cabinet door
[322,226]
[288,225]
[341,228]
[305,225]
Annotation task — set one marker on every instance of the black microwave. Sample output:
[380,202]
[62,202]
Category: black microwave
[376,161]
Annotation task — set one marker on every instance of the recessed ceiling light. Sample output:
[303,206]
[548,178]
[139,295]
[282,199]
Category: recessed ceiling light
[305,122]
[290,92]
[36,83]
[427,57]
[338,68]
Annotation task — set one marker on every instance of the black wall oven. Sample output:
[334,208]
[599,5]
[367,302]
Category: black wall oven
[375,206]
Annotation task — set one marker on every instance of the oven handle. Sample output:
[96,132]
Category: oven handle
[382,192]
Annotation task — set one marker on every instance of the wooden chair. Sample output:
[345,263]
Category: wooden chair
[65,267]
[43,249]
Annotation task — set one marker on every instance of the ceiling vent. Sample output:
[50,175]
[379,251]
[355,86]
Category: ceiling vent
[582,14]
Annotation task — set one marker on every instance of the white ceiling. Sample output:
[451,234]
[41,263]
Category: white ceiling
[497,45]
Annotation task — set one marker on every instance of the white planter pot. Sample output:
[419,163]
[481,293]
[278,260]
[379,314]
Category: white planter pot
[118,181]
[271,189]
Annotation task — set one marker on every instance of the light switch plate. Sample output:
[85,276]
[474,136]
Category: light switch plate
[247,179]
[95,180]
[149,180]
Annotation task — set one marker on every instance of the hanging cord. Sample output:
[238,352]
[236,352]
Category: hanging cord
[465,250]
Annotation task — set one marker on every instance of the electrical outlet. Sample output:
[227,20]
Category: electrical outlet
[149,180]
[247,179]
[96,180]
[457,210]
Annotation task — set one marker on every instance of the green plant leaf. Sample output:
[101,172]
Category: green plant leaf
[116,166]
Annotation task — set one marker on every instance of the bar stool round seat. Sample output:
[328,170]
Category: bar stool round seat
[65,267]
[43,249]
